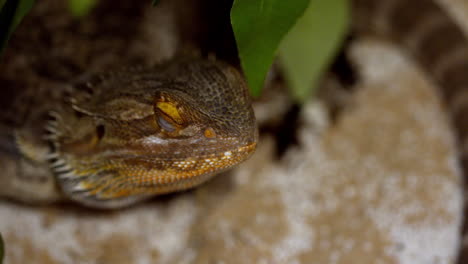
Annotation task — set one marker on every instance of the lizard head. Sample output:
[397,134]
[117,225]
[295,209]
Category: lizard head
[141,132]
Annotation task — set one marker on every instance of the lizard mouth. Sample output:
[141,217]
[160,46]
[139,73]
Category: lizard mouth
[123,181]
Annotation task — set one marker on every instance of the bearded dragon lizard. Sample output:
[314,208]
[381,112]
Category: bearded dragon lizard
[110,140]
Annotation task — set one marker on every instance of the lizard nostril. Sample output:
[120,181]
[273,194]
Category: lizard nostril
[210,133]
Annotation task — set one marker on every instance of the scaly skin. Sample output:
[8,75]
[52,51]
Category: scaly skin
[140,132]
[151,131]
[109,140]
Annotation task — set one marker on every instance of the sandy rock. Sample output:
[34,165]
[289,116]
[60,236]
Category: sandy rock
[380,186]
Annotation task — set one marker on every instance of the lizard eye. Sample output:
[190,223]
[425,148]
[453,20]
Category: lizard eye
[166,125]
[171,111]
[168,115]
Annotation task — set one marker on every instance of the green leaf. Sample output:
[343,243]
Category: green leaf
[10,16]
[80,8]
[309,47]
[155,2]
[259,26]
[2,248]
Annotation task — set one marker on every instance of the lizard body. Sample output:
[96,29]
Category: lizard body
[110,140]
[432,37]
[438,44]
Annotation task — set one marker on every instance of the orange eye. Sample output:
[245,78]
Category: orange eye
[168,115]
[166,125]
[171,111]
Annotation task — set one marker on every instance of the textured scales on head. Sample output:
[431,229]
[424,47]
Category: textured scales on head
[147,131]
